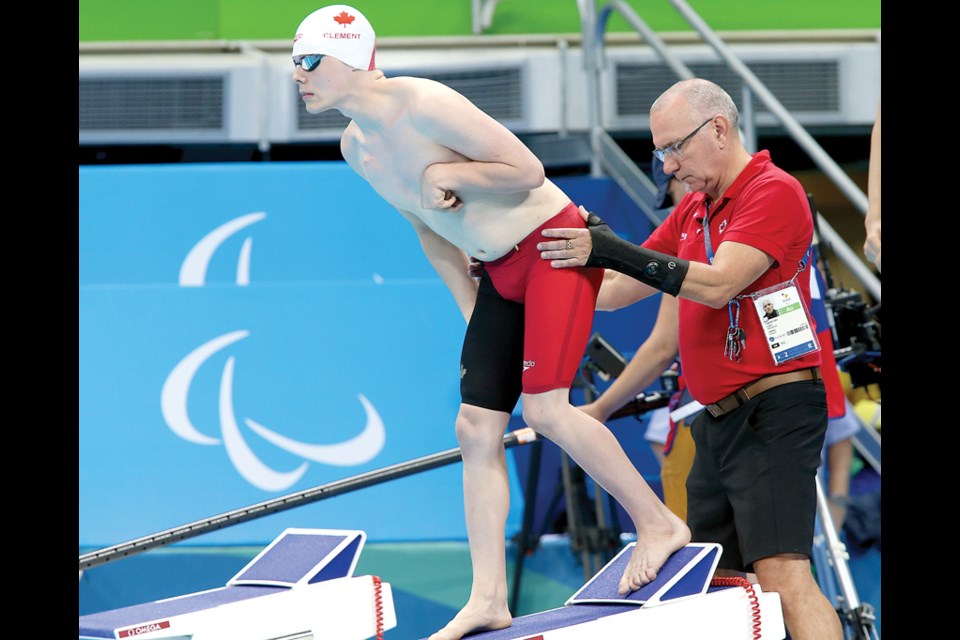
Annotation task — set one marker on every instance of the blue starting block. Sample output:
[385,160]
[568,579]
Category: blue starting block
[301,585]
[679,604]
[685,574]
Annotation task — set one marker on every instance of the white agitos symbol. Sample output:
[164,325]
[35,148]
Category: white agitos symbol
[173,404]
[176,388]
[193,271]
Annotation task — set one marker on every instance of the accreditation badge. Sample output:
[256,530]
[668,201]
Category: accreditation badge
[787,325]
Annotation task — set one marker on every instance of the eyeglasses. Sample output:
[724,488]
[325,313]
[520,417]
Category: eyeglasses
[308,62]
[674,149]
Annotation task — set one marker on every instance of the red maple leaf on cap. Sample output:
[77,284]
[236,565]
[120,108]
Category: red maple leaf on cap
[344,18]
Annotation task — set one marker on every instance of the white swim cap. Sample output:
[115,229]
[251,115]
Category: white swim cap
[339,31]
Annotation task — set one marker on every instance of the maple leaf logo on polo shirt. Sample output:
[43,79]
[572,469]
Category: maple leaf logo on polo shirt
[344,18]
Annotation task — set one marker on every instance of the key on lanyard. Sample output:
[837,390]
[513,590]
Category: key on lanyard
[736,336]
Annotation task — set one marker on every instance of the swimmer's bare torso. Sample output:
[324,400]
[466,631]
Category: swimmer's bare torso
[419,123]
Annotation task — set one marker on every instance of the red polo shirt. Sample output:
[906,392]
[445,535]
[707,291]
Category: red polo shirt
[765,208]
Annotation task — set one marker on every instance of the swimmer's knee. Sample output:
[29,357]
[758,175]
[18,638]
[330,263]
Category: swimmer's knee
[543,411]
[476,426]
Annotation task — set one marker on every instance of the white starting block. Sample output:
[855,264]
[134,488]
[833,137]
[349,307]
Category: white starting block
[300,586]
[680,604]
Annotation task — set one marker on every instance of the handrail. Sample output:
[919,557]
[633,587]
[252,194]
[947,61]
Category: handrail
[593,28]
[588,20]
[649,35]
[843,251]
[521,436]
[830,168]
[625,173]
[799,134]
[481,14]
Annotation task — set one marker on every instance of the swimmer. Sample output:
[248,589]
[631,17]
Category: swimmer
[478,200]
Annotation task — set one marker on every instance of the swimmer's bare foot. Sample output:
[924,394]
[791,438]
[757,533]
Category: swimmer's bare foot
[475,618]
[655,543]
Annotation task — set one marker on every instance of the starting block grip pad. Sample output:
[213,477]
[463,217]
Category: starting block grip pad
[678,604]
[686,573]
[303,556]
[302,581]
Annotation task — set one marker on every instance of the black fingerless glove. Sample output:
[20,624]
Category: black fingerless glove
[656,269]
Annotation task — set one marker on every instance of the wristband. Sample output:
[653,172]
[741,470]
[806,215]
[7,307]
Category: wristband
[650,267]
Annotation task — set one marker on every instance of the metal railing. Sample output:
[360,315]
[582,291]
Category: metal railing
[593,27]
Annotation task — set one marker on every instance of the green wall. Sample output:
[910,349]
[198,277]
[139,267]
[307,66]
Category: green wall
[122,20]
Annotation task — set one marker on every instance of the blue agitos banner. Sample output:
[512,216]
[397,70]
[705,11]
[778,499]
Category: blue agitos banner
[249,331]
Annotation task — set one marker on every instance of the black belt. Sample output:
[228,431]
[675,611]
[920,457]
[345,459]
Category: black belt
[749,391]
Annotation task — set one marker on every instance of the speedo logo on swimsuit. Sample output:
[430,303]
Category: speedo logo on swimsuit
[528,364]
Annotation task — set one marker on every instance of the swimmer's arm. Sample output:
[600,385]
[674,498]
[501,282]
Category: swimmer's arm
[450,263]
[495,160]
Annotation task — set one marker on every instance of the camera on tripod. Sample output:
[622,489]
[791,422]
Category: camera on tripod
[602,358]
[856,336]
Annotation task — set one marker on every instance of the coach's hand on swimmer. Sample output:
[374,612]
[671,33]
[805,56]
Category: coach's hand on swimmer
[572,247]
[436,191]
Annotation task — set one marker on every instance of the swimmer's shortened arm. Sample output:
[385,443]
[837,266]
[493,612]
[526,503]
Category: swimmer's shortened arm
[653,268]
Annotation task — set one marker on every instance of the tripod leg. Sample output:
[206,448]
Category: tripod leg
[575,524]
[854,615]
[527,540]
[607,537]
